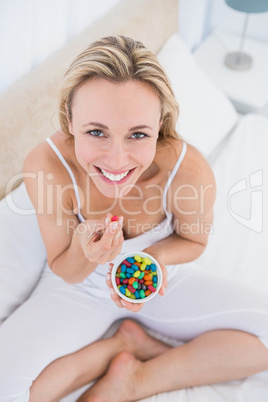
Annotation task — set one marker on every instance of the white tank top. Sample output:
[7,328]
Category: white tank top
[138,243]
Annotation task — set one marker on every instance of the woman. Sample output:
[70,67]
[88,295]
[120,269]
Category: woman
[118,153]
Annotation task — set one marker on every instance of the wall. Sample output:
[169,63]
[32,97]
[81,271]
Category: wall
[198,18]
[31,30]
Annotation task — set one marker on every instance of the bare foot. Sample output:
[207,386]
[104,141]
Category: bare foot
[119,384]
[138,342]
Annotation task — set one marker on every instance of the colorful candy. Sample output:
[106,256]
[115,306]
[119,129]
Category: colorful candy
[114,218]
[136,277]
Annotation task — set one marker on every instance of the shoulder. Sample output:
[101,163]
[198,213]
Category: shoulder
[194,180]
[43,168]
[43,158]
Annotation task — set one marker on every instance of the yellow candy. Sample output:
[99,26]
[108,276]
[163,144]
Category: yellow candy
[137,258]
[137,274]
[128,293]
[132,296]
[143,266]
[147,261]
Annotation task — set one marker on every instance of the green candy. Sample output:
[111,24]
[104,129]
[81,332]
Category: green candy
[142,294]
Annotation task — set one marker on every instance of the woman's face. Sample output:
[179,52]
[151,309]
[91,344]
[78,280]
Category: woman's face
[115,128]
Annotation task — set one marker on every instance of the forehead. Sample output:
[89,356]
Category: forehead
[100,97]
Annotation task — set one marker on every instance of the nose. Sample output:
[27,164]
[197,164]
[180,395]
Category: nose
[117,156]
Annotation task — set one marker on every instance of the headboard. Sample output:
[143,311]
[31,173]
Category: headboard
[28,108]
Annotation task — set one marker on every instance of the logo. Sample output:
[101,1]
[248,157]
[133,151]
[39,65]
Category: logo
[254,191]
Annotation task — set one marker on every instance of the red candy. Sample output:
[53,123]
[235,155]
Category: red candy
[127,264]
[131,289]
[114,218]
[117,279]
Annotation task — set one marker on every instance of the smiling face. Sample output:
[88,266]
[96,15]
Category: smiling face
[115,128]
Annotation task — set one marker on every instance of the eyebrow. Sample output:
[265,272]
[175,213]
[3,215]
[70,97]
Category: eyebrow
[97,124]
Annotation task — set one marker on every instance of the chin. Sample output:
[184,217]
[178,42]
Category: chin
[114,191]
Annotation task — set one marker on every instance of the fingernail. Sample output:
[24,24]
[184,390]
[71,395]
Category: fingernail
[112,292]
[121,220]
[107,221]
[108,276]
[123,303]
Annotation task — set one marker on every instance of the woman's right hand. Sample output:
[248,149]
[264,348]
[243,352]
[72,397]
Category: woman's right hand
[101,240]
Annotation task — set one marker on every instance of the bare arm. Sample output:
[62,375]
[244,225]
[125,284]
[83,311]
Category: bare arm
[70,255]
[193,198]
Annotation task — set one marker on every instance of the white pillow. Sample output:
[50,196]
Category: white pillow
[22,251]
[206,114]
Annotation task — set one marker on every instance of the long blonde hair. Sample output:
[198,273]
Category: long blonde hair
[119,59]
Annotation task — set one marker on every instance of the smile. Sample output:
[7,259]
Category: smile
[113,177]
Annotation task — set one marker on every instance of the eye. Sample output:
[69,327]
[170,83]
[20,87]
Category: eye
[139,135]
[95,133]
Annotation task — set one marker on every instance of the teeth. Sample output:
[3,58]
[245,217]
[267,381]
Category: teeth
[113,177]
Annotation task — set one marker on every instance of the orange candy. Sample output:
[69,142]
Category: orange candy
[147,283]
[131,280]
[147,277]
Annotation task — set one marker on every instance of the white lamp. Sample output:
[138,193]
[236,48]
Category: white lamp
[239,60]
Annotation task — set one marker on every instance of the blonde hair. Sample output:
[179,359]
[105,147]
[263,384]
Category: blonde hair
[119,59]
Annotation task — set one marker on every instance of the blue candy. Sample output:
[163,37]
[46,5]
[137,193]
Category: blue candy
[131,260]
[137,294]
[122,290]
[130,271]
[153,268]
[123,268]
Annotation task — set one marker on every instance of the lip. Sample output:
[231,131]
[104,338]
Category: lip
[114,181]
[114,173]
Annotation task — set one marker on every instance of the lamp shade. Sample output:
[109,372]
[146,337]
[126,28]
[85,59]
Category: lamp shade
[248,6]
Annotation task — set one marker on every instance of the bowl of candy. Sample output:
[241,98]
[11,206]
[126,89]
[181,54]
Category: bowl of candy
[136,277]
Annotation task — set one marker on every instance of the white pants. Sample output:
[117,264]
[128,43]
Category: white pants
[59,319]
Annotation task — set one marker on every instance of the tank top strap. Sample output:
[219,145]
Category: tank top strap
[69,170]
[171,177]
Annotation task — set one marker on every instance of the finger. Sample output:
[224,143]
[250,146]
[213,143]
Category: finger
[95,237]
[108,236]
[134,307]
[114,295]
[116,251]
[164,280]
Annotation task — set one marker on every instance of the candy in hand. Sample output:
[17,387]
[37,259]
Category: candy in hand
[114,218]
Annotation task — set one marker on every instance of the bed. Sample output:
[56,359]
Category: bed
[235,145]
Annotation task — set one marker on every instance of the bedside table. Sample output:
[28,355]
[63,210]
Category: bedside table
[248,89]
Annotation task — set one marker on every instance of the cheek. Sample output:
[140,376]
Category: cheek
[84,154]
[145,154]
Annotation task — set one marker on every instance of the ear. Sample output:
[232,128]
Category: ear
[70,125]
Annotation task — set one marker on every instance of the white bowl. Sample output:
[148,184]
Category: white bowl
[118,262]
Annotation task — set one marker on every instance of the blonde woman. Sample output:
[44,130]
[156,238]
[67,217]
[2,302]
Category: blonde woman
[118,153]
